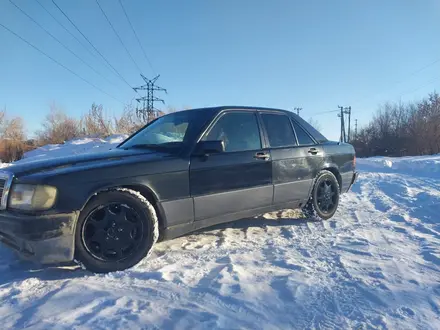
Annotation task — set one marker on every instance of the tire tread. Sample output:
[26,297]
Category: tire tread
[96,265]
[309,209]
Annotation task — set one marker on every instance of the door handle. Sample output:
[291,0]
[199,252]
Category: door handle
[262,155]
[313,151]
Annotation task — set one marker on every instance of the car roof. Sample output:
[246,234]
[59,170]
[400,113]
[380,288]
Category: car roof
[236,107]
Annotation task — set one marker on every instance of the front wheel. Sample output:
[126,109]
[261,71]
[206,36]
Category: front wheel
[324,199]
[115,231]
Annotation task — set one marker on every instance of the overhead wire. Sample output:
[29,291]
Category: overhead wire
[59,41]
[65,28]
[399,82]
[92,45]
[403,79]
[421,86]
[59,63]
[117,35]
[324,112]
[137,38]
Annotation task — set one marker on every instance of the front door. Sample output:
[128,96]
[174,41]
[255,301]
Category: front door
[238,179]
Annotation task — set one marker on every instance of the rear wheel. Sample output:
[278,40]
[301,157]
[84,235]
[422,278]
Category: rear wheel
[115,231]
[324,199]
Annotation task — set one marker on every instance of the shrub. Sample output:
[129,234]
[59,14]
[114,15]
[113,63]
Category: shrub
[11,138]
[96,123]
[58,128]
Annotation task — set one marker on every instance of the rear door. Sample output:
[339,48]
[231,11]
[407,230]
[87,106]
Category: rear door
[312,150]
[291,171]
[238,179]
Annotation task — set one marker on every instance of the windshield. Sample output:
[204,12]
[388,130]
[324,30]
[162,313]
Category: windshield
[169,132]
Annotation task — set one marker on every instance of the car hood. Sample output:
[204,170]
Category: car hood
[25,167]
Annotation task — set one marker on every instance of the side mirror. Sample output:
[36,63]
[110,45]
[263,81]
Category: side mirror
[209,147]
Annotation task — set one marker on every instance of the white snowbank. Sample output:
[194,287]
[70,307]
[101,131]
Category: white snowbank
[419,166]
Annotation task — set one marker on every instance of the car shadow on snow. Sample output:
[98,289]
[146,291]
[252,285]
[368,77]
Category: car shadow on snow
[12,268]
[261,222]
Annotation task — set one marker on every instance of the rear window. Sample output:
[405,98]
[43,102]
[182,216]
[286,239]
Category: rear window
[310,129]
[303,138]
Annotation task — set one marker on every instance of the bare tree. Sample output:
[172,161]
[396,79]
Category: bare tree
[402,129]
[12,137]
[128,122]
[315,123]
[57,128]
[96,123]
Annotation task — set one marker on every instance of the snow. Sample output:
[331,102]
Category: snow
[73,147]
[374,265]
[422,165]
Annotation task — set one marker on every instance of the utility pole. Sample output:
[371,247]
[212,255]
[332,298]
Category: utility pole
[345,111]
[297,110]
[148,112]
[355,128]
[348,110]
[341,115]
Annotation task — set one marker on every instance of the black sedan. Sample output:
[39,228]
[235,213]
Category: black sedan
[181,172]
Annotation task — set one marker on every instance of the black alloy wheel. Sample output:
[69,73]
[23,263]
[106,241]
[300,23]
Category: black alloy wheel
[112,232]
[324,199]
[115,231]
[327,196]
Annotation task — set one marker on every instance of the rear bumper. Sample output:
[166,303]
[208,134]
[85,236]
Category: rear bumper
[46,239]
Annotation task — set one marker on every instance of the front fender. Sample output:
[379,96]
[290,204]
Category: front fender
[146,190]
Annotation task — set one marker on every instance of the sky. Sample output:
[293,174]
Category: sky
[282,53]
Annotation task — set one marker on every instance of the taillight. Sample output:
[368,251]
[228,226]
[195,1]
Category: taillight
[354,161]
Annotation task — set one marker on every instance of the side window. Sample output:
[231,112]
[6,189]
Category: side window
[238,130]
[279,130]
[303,138]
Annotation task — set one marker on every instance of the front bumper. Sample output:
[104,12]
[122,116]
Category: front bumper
[46,239]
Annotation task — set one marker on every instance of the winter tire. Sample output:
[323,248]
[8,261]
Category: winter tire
[115,231]
[324,199]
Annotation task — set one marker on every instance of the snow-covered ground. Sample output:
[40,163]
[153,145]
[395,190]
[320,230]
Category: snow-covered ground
[375,265]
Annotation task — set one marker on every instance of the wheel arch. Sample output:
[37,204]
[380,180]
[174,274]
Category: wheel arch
[308,208]
[333,169]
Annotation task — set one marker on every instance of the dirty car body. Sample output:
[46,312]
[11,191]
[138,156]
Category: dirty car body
[190,183]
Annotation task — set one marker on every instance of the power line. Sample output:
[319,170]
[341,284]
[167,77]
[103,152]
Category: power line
[91,44]
[403,79]
[117,35]
[60,64]
[421,86]
[63,26]
[137,38]
[324,112]
[59,41]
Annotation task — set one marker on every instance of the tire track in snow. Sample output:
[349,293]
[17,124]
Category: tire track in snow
[371,266]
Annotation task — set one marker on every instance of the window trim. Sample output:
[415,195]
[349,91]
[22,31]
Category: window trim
[224,113]
[277,113]
[314,142]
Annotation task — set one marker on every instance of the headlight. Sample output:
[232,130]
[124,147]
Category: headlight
[32,197]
